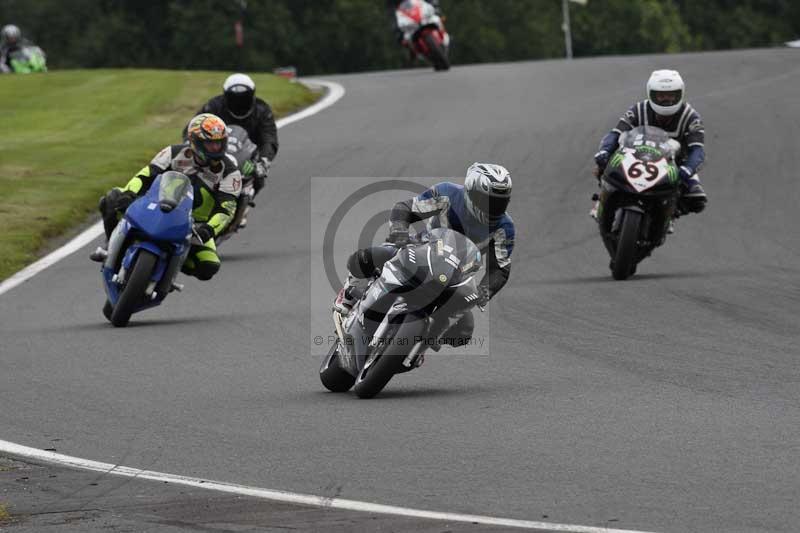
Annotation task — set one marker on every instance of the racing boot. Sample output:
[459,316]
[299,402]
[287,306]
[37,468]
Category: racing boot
[99,255]
[693,197]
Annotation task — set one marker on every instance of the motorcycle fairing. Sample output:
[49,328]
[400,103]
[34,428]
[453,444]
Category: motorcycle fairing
[139,229]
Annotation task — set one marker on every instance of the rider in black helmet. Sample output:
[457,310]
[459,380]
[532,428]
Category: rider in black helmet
[239,106]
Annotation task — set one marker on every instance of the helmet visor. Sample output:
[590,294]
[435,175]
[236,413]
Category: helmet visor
[666,98]
[214,149]
[239,100]
[493,206]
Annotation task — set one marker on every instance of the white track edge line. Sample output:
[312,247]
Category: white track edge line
[334,93]
[291,497]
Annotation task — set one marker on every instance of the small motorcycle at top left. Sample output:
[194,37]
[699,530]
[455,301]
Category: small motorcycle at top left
[147,248]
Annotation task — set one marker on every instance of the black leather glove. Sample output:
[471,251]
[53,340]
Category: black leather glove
[119,199]
[398,238]
[398,234]
[204,232]
[116,200]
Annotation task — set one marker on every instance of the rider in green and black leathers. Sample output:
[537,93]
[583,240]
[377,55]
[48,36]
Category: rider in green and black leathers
[217,184]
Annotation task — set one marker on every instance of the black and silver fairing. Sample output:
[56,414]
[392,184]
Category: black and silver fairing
[411,285]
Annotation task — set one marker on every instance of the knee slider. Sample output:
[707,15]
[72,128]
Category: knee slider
[205,271]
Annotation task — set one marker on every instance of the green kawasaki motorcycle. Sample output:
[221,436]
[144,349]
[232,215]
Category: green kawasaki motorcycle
[27,59]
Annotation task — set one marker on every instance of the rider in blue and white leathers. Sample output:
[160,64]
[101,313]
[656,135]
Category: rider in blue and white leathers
[477,210]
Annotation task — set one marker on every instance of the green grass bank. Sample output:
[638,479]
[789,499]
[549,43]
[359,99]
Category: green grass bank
[69,136]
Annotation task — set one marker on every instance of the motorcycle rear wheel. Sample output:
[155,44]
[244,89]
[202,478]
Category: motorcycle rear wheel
[625,257]
[133,293]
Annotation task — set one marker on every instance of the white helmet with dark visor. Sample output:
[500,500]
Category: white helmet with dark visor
[666,92]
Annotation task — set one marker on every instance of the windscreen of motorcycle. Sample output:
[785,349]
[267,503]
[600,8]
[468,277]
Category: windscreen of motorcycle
[174,187]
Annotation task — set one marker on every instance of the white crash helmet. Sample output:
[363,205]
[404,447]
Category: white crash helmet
[240,95]
[10,34]
[666,92]
[488,191]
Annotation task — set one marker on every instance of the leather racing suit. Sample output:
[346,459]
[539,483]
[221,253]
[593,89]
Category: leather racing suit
[216,189]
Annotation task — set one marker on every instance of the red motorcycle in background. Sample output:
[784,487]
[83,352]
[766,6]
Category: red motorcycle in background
[424,32]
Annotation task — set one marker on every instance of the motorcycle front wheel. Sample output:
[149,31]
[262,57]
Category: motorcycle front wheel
[331,374]
[381,367]
[625,256]
[133,293]
[436,53]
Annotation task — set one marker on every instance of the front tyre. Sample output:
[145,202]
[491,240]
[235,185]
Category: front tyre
[436,52]
[331,374]
[376,374]
[133,293]
[625,257]
[382,367]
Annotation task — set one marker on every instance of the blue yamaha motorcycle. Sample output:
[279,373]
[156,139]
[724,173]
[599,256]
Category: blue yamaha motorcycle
[147,248]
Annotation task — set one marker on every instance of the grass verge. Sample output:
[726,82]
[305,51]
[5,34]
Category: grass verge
[70,136]
[4,516]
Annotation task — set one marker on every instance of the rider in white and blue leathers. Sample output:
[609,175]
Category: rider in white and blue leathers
[476,209]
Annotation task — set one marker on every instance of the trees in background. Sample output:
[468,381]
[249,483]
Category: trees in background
[320,36]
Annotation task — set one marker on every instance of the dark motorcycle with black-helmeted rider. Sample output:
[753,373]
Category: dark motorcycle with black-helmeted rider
[639,197]
[246,154]
[389,328]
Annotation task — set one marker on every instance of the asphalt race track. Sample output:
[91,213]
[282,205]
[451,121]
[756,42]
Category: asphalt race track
[668,403]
